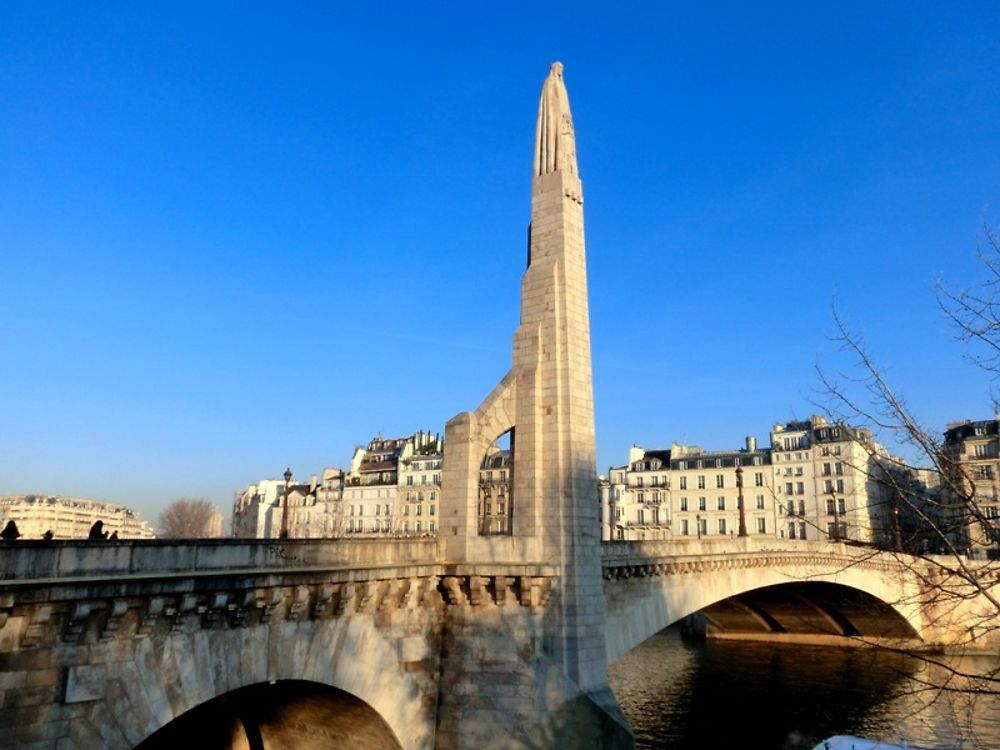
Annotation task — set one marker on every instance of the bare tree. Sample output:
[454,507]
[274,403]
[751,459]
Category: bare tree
[943,520]
[186,518]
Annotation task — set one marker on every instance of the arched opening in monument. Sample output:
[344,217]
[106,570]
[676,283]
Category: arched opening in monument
[281,714]
[496,485]
[800,610]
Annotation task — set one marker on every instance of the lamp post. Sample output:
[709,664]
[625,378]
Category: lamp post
[896,531]
[284,505]
[743,512]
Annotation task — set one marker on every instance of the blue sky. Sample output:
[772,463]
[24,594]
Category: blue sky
[238,237]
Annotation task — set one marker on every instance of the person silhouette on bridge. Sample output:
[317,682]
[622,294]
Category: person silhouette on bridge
[97,531]
[10,532]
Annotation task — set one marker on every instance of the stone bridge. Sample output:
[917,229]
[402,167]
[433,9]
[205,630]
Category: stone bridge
[471,640]
[814,592]
[369,642]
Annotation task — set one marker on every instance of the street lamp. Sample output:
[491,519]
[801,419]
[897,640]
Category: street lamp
[743,513]
[284,505]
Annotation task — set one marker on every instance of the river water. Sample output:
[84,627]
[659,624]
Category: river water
[679,693]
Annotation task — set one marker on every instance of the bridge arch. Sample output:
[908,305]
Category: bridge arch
[283,713]
[314,668]
[837,597]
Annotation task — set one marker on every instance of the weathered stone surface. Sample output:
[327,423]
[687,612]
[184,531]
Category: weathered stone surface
[86,682]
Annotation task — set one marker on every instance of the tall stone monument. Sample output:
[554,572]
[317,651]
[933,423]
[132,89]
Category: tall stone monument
[546,405]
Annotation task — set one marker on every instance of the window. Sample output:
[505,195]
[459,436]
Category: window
[758,479]
[722,525]
[829,506]
[619,534]
[839,468]
[826,469]
[703,526]
[701,481]
[656,497]
[638,481]
[828,485]
[720,480]
[640,497]
[702,505]
[791,531]
[802,509]
[980,429]
[409,480]
[685,531]
[788,488]
[761,525]
[433,509]
[431,527]
[378,510]
[800,488]
[841,506]
[991,512]
[840,485]
[654,481]
[641,516]
[802,531]
[684,503]
[722,503]
[419,527]
[760,502]
[683,482]
[420,510]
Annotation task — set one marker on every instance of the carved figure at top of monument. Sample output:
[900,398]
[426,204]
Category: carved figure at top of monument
[555,142]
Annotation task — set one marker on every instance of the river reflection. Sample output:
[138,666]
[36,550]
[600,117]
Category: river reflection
[690,694]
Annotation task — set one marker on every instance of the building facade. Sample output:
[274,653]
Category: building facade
[972,452]
[815,481]
[70,517]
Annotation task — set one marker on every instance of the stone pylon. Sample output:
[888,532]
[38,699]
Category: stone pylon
[546,403]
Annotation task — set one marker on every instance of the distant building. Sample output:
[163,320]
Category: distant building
[70,517]
[391,488]
[494,493]
[815,481]
[419,486]
[972,483]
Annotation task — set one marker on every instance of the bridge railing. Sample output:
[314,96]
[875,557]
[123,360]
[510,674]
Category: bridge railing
[24,561]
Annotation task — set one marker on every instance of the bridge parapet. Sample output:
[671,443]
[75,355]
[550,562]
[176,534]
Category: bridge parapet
[24,563]
[627,559]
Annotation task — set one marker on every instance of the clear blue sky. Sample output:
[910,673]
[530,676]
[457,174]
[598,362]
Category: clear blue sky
[234,239]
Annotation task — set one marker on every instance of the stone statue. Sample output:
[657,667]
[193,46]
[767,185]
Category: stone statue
[555,142]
